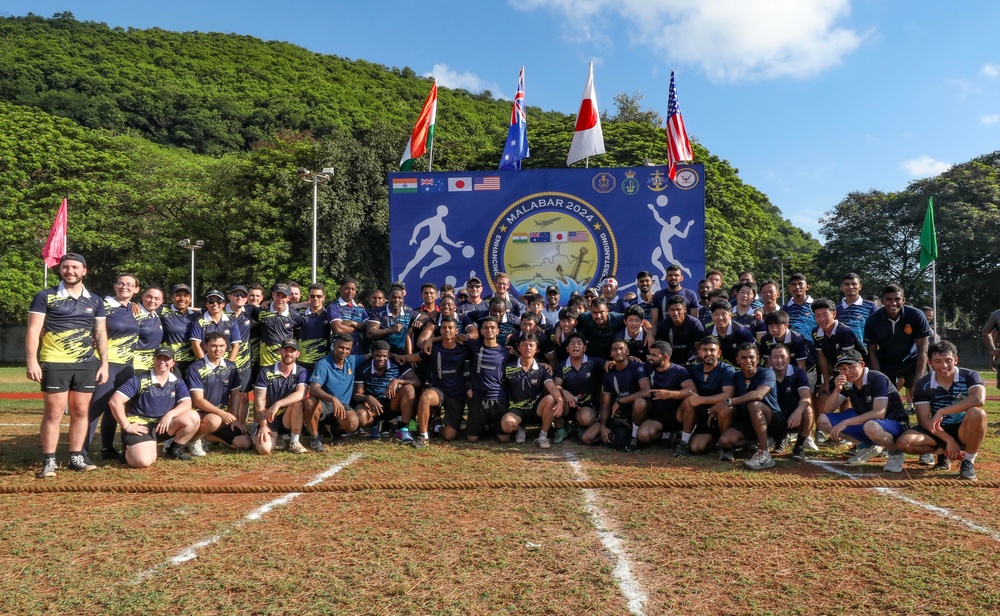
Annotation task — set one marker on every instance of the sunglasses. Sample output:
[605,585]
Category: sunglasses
[215,301]
[312,296]
[237,295]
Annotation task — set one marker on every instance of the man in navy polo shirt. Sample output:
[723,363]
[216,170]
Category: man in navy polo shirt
[386,391]
[245,315]
[314,335]
[831,340]
[876,417]
[278,400]
[277,324]
[729,333]
[487,358]
[67,322]
[791,385]
[447,362]
[662,297]
[680,330]
[950,408]
[713,381]
[155,406]
[331,391]
[897,338]
[347,316]
[392,323]
[214,319]
[624,395]
[506,321]
[600,327]
[531,394]
[754,409]
[214,382]
[178,318]
[669,385]
[475,301]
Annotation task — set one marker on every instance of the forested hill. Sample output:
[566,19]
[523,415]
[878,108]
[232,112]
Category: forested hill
[199,135]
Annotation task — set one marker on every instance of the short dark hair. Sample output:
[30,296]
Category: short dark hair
[710,340]
[339,338]
[316,286]
[893,287]
[566,313]
[380,345]
[779,346]
[823,302]
[675,268]
[599,301]
[796,277]
[942,348]
[663,347]
[752,286]
[720,304]
[576,335]
[776,317]
[428,285]
[746,346]
[210,336]
[643,274]
[496,300]
[449,320]
[717,272]
[851,276]
[677,299]
[635,311]
[529,316]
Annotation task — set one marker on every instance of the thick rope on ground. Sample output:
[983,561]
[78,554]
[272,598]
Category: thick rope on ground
[422,486]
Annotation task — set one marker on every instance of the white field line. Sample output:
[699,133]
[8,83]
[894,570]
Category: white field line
[191,552]
[623,569]
[941,511]
[29,425]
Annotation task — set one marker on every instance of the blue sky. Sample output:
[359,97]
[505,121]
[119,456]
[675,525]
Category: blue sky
[808,99]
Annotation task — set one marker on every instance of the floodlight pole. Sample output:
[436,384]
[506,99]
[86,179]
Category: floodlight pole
[315,178]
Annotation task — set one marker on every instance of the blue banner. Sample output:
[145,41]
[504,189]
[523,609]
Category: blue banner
[565,227]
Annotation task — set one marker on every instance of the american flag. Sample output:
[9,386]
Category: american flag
[678,146]
[487,183]
[578,236]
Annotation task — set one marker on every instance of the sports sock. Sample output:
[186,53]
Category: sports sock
[971,457]
[295,438]
[543,434]
[685,437]
[425,435]
[635,430]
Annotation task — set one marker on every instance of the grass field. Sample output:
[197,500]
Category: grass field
[704,549]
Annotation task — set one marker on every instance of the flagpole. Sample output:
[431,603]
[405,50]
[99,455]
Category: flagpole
[430,161]
[45,277]
[934,295]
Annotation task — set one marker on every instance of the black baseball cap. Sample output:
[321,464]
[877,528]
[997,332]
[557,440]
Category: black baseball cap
[281,287]
[552,289]
[238,288]
[214,293]
[164,351]
[290,343]
[474,280]
[73,256]
[850,356]
[181,287]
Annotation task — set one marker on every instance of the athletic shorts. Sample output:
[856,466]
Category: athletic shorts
[528,413]
[907,372]
[483,414]
[278,424]
[61,377]
[624,412]
[857,432]
[454,408]
[387,413]
[951,429]
[129,439]
[701,424]
[777,428]
[246,385]
[228,434]
[664,412]
[326,417]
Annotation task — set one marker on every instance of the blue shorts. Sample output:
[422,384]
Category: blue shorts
[857,432]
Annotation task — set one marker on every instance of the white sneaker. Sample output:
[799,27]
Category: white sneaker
[521,436]
[760,460]
[928,459]
[864,454]
[895,463]
[297,448]
[543,442]
[197,449]
[809,444]
[821,436]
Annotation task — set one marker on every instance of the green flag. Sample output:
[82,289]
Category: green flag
[928,238]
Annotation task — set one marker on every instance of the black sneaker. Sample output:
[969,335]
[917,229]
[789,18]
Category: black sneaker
[81,462]
[683,450]
[632,446]
[177,452]
[943,463]
[110,455]
[725,455]
[798,452]
[967,471]
[48,469]
[316,444]
[338,440]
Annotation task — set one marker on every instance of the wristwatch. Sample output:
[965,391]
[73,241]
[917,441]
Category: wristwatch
[729,402]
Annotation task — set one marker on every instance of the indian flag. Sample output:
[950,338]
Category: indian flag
[422,137]
[519,238]
[404,185]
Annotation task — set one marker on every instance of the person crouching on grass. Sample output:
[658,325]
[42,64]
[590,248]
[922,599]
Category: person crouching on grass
[214,382]
[949,403]
[153,407]
[277,399]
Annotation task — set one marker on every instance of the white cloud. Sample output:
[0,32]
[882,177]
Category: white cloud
[450,78]
[990,70]
[730,39]
[990,119]
[924,166]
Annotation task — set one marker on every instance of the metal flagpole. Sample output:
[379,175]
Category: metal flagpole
[45,284]
[430,161]
[934,296]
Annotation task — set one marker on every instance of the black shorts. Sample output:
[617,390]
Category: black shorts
[776,428]
[483,414]
[227,434]
[61,377]
[624,412]
[278,424]
[454,409]
[326,417]
[387,412]
[907,372]
[129,439]
[664,412]
[951,429]
[246,383]
[702,425]
[528,413]
[569,412]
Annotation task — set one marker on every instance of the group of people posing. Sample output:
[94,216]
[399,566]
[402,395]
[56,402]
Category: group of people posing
[697,370]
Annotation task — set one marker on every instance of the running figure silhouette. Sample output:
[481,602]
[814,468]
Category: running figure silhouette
[436,232]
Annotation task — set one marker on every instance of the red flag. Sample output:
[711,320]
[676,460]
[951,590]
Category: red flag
[588,138]
[678,146]
[55,246]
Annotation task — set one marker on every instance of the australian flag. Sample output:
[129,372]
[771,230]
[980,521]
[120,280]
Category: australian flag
[516,147]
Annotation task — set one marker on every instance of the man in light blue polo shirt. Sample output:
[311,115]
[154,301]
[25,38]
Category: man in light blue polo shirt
[331,388]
